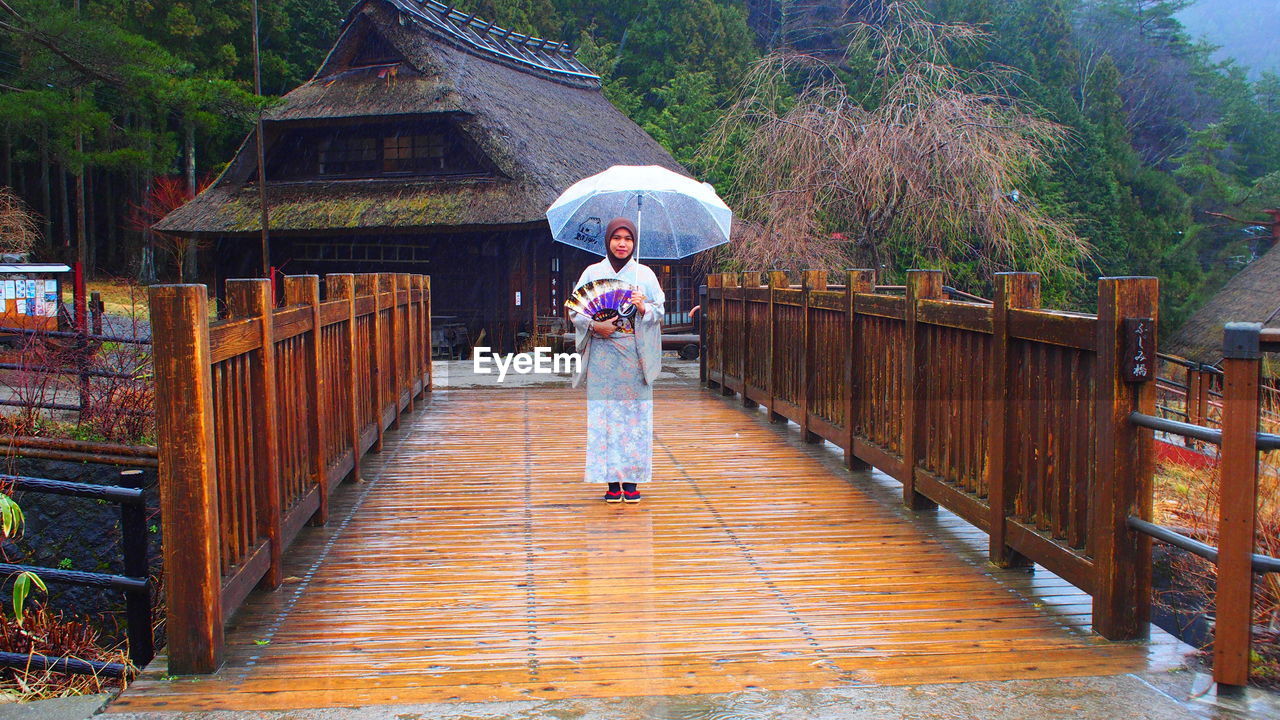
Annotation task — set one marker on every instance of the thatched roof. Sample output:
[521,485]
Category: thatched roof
[1253,295]
[533,111]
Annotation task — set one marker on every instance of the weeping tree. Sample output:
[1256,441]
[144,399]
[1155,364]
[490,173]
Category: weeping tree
[891,155]
[18,231]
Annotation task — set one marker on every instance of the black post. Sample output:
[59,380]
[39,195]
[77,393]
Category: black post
[133,540]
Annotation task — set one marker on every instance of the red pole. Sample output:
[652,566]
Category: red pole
[78,296]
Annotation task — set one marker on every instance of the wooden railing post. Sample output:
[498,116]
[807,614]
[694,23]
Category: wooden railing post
[921,285]
[1237,515]
[387,286]
[251,298]
[404,378]
[1125,465]
[727,280]
[305,290]
[858,281]
[424,282]
[1194,415]
[778,280]
[367,285]
[96,308]
[188,479]
[749,280]
[420,360]
[812,280]
[342,286]
[702,333]
[1013,290]
[716,331]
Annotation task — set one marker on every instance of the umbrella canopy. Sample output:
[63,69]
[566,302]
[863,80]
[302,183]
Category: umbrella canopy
[676,216]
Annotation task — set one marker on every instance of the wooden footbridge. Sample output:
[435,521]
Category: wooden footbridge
[467,562]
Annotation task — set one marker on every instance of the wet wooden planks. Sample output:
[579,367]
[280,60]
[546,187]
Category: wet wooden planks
[476,567]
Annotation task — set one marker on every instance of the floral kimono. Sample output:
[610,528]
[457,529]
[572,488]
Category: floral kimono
[619,372]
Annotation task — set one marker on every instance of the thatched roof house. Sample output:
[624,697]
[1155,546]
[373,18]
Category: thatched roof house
[428,141]
[1253,295]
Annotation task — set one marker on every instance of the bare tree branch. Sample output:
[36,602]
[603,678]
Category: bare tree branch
[933,160]
[18,228]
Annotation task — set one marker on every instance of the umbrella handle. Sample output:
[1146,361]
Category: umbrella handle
[639,216]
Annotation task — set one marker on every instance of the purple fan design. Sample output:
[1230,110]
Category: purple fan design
[604,300]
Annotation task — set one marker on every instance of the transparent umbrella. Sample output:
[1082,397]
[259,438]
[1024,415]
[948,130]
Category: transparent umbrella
[676,216]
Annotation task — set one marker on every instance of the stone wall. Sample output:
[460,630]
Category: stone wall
[79,534]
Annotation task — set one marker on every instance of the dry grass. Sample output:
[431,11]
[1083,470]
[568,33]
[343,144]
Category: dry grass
[1187,499]
[125,298]
[122,297]
[45,632]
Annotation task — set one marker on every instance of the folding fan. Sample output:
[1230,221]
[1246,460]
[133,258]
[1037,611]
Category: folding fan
[605,300]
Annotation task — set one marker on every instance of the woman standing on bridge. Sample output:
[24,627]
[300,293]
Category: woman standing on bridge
[619,364]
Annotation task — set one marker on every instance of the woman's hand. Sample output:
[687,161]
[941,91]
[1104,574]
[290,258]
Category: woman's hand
[638,299]
[603,328]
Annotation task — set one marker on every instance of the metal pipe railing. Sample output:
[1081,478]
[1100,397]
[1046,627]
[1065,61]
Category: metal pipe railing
[1261,563]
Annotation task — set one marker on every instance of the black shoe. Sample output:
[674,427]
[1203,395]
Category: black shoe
[614,493]
[630,493]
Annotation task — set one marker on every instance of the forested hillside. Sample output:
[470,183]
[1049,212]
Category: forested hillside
[1244,30]
[1155,135]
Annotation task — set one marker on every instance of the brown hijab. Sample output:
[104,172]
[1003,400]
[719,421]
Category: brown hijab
[614,224]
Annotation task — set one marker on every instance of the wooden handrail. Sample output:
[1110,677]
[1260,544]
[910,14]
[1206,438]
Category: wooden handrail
[260,417]
[1012,416]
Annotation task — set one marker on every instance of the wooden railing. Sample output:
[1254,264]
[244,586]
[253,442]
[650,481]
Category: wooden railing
[1192,392]
[259,416]
[1011,416]
[1240,443]
[1243,347]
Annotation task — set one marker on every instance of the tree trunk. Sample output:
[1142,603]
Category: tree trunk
[8,158]
[106,222]
[86,213]
[189,269]
[190,129]
[64,232]
[47,191]
[147,269]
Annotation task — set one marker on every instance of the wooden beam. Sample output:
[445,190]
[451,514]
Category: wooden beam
[858,281]
[777,281]
[1125,465]
[188,479]
[1013,290]
[714,331]
[427,354]
[921,284]
[727,280]
[305,290]
[1237,516]
[251,298]
[390,347]
[341,286]
[812,280]
[367,286]
[749,280]
[404,285]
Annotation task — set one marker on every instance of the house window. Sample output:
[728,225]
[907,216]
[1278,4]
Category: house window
[410,153]
[677,284]
[426,147]
[348,155]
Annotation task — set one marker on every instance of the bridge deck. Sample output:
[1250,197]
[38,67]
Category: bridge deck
[475,566]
